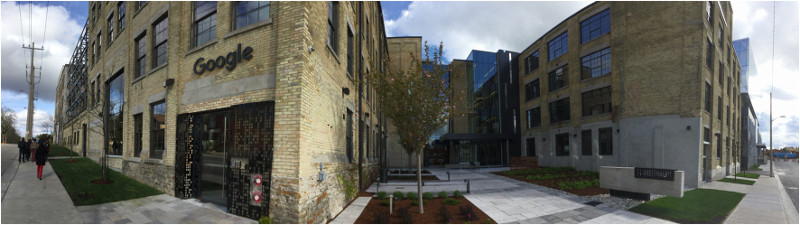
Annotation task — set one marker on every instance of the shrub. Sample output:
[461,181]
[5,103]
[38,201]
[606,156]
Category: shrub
[416,201]
[596,183]
[427,195]
[412,195]
[450,201]
[442,194]
[385,202]
[382,195]
[467,211]
[446,217]
[488,221]
[265,220]
[399,195]
[457,194]
[381,217]
[403,213]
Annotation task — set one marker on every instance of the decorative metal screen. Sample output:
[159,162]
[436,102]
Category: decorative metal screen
[249,157]
[187,155]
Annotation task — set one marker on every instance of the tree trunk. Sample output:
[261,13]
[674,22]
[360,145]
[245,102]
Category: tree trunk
[419,180]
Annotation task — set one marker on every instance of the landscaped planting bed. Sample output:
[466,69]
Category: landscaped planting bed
[438,210]
[582,183]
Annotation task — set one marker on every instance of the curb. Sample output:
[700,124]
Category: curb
[9,176]
[788,206]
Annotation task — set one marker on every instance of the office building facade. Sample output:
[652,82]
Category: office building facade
[749,151]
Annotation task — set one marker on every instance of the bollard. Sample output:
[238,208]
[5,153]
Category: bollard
[423,183]
[467,181]
[379,187]
[391,198]
[448,175]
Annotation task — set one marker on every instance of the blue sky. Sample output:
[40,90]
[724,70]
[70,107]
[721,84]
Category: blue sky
[462,26]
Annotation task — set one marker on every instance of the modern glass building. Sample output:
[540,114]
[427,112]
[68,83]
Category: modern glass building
[749,147]
[746,61]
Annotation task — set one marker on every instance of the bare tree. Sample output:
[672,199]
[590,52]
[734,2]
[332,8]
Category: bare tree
[48,124]
[10,133]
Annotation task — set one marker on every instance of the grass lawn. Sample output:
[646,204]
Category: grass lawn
[59,150]
[749,175]
[77,178]
[738,181]
[696,206]
[754,167]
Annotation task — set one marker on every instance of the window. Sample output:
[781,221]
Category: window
[596,64]
[160,42]
[94,49]
[99,46]
[534,117]
[205,22]
[557,46]
[532,62]
[557,79]
[116,101]
[532,90]
[721,73]
[110,30]
[728,115]
[350,54]
[720,34]
[141,51]
[719,149]
[121,17]
[586,142]
[706,135]
[719,108]
[605,141]
[595,26]
[530,146]
[708,98]
[709,13]
[710,55]
[596,102]
[333,25]
[729,55]
[366,136]
[729,86]
[562,144]
[137,134]
[98,92]
[250,13]
[157,125]
[349,135]
[140,5]
[94,99]
[559,110]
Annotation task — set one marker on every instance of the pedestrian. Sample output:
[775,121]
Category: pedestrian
[28,150]
[21,146]
[41,156]
[33,147]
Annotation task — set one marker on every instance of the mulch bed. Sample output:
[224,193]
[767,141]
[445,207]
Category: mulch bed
[431,216]
[553,183]
[412,178]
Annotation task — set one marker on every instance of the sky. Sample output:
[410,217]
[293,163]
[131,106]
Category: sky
[461,26]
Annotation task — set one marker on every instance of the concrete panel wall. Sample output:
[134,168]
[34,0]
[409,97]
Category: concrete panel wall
[622,178]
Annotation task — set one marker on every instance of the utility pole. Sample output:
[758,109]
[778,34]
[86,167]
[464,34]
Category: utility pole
[29,125]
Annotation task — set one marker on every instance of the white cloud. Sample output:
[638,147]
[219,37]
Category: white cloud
[39,116]
[61,37]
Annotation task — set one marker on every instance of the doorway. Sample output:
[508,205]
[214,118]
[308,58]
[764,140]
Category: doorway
[214,141]
[83,146]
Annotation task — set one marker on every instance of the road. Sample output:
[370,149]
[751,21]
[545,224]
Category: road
[9,155]
[787,172]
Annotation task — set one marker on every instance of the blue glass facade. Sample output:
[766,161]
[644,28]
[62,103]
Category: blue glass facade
[746,62]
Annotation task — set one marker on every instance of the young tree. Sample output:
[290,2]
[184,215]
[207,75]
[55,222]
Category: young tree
[48,124]
[10,134]
[418,101]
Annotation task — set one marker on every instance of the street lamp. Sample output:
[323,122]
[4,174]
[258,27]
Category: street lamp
[771,153]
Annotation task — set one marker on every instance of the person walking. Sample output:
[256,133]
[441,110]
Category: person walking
[28,150]
[33,146]
[41,156]
[21,145]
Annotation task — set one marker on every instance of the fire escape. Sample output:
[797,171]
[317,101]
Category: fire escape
[77,73]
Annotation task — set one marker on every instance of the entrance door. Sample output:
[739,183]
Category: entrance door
[84,141]
[212,173]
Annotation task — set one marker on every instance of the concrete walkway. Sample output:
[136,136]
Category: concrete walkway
[766,202]
[27,199]
[352,212]
[158,209]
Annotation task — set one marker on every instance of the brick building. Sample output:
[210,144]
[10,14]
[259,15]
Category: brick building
[203,98]
[635,84]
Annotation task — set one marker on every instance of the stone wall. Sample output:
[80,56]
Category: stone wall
[157,175]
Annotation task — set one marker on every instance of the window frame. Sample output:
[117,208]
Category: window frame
[157,133]
[586,142]
[532,62]
[156,44]
[333,26]
[534,117]
[121,12]
[140,68]
[138,124]
[532,90]
[110,29]
[235,14]
[210,17]
[597,97]
[558,78]
[558,46]
[561,141]
[349,136]
[560,110]
[605,140]
[709,101]
[530,146]
[602,20]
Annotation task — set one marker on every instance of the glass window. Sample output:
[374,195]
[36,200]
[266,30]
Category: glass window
[721,73]
[251,12]
[137,134]
[121,13]
[534,117]
[596,64]
[160,42]
[596,26]
[557,46]
[586,142]
[708,98]
[140,5]
[710,55]
[94,100]
[349,135]
[530,146]
[350,54]
[719,108]
[110,30]
[596,102]
[99,46]
[532,62]
[116,101]
[728,115]
[562,144]
[157,125]
[557,79]
[559,110]
[532,90]
[719,149]
[333,25]
[140,57]
[720,34]
[205,22]
[606,141]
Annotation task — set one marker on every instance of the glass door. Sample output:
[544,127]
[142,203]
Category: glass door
[214,141]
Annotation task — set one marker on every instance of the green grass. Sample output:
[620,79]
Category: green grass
[738,181]
[59,150]
[77,178]
[754,167]
[748,175]
[696,206]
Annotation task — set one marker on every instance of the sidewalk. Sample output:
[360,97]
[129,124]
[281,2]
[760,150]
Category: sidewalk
[766,202]
[26,198]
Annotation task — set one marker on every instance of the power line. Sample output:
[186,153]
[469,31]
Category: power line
[45,23]
[21,30]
